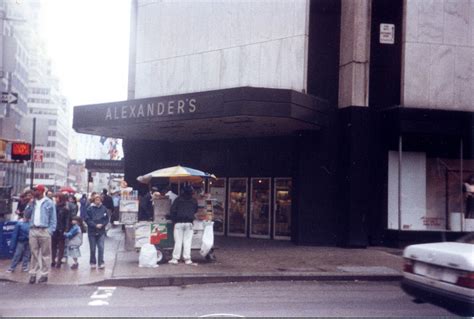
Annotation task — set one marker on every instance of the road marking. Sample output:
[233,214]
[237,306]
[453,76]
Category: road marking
[98,303]
[100,295]
[221,315]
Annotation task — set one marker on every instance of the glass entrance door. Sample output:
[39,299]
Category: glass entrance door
[282,208]
[237,214]
[217,189]
[260,208]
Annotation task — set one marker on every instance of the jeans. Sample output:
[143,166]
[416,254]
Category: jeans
[40,246]
[57,245]
[97,241]
[183,237]
[22,253]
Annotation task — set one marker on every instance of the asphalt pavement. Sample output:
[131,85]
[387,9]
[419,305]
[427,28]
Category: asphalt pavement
[237,260]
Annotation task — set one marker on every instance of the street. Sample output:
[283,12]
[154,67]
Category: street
[283,299]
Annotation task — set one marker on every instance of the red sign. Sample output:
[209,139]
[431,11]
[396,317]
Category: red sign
[21,151]
[38,156]
[159,232]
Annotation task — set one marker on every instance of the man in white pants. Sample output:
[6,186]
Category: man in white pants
[182,213]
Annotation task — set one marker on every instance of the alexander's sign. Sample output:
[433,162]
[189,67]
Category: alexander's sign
[155,109]
[151,109]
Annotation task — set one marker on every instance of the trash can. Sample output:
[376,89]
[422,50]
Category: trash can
[6,232]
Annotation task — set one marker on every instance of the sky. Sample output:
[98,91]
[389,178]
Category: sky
[87,41]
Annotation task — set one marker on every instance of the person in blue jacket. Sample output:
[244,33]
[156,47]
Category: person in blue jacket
[96,219]
[42,216]
[74,240]
[20,245]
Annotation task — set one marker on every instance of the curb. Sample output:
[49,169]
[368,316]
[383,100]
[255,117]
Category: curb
[142,282]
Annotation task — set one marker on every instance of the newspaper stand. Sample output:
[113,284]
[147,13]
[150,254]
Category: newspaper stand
[128,216]
[161,230]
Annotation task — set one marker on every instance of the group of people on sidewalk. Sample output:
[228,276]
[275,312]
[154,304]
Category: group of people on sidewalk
[50,229]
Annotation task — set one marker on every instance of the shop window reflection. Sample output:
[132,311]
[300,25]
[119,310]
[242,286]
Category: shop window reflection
[428,191]
[282,205]
[217,189]
[260,208]
[237,216]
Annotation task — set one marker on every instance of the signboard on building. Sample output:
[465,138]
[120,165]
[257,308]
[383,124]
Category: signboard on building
[105,166]
[38,156]
[387,33]
[21,151]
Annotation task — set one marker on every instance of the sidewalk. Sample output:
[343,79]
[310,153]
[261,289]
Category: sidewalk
[238,259]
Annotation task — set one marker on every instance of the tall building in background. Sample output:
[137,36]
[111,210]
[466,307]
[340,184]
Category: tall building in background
[50,108]
[14,61]
[31,77]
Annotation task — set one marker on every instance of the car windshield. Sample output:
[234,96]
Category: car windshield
[468,239]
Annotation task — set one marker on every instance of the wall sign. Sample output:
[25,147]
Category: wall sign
[387,33]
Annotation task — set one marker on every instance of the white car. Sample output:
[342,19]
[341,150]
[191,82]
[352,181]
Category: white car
[442,273]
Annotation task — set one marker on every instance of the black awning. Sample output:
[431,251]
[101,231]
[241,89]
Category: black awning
[237,112]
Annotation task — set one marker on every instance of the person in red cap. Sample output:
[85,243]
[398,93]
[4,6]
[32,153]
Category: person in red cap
[42,216]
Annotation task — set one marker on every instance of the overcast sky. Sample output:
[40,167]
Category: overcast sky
[88,43]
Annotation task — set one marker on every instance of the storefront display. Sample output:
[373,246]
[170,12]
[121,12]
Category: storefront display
[282,208]
[260,207]
[237,216]
[217,189]
[432,196]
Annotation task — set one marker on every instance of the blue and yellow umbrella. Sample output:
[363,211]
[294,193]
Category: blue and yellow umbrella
[176,174]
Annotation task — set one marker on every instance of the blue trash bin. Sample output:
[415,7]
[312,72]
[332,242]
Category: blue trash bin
[6,232]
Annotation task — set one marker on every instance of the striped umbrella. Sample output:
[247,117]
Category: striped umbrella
[176,174]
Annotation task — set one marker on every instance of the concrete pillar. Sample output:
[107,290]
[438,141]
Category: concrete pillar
[354,58]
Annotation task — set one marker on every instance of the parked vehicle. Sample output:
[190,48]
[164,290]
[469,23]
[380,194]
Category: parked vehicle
[442,273]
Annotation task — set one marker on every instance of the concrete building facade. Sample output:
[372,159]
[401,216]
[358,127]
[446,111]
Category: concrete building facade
[327,122]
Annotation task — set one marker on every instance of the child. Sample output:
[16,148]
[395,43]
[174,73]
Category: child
[20,245]
[74,240]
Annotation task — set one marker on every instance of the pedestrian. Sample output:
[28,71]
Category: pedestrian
[72,205]
[168,191]
[107,201]
[83,205]
[50,194]
[74,240]
[42,216]
[96,220]
[20,245]
[63,218]
[145,209]
[116,212]
[25,199]
[468,189]
[182,214]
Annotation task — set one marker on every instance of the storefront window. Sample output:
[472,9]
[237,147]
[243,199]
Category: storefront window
[282,208]
[217,189]
[260,208]
[237,216]
[430,191]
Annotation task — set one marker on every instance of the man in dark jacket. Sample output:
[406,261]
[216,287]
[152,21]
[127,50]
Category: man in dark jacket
[182,213]
[96,220]
[63,218]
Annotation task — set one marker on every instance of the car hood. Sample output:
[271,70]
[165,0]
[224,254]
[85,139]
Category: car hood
[448,254]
